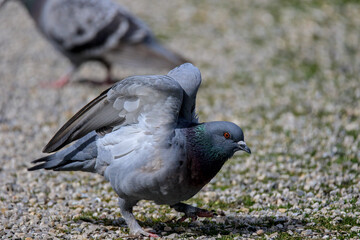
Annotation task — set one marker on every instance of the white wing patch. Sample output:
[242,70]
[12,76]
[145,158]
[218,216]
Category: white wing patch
[131,105]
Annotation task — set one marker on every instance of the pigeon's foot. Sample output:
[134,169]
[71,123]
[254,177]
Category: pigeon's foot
[153,235]
[192,212]
[140,232]
[61,82]
[126,212]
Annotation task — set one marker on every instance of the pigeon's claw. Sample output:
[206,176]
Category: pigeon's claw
[206,213]
[153,235]
[140,232]
[192,212]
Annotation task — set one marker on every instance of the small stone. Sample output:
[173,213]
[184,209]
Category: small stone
[244,209]
[220,212]
[282,210]
[274,235]
[307,232]
[197,223]
[260,232]
[300,193]
[355,229]
[309,195]
[167,229]
[172,236]
[280,226]
[179,229]
[220,220]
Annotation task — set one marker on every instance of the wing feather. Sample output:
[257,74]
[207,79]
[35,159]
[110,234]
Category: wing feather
[158,99]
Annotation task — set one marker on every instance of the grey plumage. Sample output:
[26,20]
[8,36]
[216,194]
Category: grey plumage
[81,156]
[85,30]
[143,136]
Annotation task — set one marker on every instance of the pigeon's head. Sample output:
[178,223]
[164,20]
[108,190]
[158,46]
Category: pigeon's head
[226,137]
[211,144]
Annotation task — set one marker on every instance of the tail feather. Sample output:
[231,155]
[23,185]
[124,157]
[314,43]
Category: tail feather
[149,54]
[79,157]
[165,56]
[46,162]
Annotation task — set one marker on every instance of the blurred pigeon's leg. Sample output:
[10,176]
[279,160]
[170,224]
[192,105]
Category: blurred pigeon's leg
[109,78]
[126,212]
[192,212]
[61,82]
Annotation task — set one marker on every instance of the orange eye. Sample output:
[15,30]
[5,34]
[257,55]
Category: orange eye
[226,135]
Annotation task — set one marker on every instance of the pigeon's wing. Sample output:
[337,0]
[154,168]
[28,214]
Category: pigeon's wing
[189,78]
[157,99]
[91,26]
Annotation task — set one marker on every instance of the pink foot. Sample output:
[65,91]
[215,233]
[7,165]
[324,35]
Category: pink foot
[61,82]
[153,235]
[199,213]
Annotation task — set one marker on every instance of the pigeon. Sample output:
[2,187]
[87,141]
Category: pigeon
[103,31]
[144,137]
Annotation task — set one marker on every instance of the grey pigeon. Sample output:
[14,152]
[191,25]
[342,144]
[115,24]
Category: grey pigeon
[85,30]
[143,136]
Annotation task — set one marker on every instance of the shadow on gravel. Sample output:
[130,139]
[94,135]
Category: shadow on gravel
[209,227]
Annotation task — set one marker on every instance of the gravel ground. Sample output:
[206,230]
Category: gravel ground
[286,71]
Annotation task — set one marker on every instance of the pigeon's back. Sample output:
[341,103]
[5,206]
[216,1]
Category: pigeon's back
[99,30]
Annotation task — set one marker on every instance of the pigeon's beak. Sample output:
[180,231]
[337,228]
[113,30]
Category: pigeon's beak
[242,146]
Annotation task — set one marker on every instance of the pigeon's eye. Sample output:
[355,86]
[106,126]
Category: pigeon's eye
[226,135]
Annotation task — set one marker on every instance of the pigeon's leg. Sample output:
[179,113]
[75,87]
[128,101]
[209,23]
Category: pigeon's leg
[126,208]
[109,79]
[192,212]
[62,81]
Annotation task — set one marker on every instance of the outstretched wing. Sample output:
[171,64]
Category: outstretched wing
[189,78]
[78,26]
[158,99]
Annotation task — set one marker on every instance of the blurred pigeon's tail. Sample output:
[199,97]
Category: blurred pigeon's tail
[148,54]
[164,57]
[79,157]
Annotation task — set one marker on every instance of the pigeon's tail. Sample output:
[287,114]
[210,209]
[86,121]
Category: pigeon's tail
[81,156]
[148,54]
[162,57]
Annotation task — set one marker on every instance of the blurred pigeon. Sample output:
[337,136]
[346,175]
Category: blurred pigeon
[85,30]
[143,136]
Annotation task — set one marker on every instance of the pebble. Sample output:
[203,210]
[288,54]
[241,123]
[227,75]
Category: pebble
[167,229]
[355,229]
[307,232]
